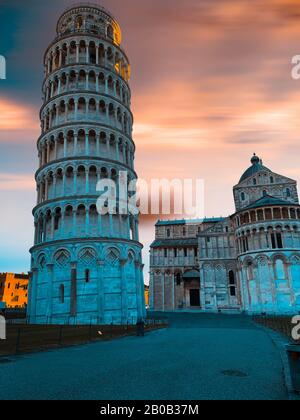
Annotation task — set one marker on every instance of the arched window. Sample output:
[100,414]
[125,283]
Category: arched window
[271,180]
[243,197]
[250,271]
[279,269]
[288,193]
[79,22]
[254,181]
[265,193]
[62,293]
[178,279]
[110,32]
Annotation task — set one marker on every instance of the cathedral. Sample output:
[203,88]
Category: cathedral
[85,267]
[249,261]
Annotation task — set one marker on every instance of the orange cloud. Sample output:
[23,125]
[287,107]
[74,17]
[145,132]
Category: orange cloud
[17,116]
[13,182]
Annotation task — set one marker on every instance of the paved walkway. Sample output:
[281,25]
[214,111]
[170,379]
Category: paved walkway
[198,357]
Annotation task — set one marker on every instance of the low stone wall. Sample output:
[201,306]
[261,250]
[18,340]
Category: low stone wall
[281,324]
[32,338]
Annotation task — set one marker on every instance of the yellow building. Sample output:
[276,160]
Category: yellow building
[14,290]
[147,295]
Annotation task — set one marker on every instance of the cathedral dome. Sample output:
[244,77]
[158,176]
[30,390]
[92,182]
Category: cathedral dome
[257,166]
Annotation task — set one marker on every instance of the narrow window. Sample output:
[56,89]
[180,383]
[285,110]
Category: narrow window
[265,193]
[232,291]
[185,252]
[243,197]
[288,192]
[56,222]
[178,279]
[279,240]
[273,240]
[231,278]
[87,276]
[168,233]
[166,253]
[272,180]
[254,181]
[62,293]
[175,252]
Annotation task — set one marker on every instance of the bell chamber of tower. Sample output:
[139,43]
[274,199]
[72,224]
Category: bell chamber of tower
[86,267]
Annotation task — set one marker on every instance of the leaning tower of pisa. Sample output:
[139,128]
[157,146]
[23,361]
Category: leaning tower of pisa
[86,266]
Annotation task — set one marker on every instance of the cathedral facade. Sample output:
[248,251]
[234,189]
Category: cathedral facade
[249,261]
[86,267]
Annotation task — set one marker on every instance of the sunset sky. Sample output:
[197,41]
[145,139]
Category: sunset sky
[211,84]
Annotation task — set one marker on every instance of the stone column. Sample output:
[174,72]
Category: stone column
[73,301]
[75,144]
[87,221]
[49,310]
[52,226]
[173,290]
[117,150]
[87,54]
[111,226]
[64,183]
[101,296]
[74,228]
[124,299]
[55,149]
[33,295]
[60,58]
[202,288]
[48,151]
[54,186]
[108,146]
[77,52]
[152,291]
[87,185]
[163,291]
[138,290]
[97,55]
[87,145]
[65,146]
[98,144]
[46,189]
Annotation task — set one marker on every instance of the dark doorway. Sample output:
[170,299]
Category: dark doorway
[194,297]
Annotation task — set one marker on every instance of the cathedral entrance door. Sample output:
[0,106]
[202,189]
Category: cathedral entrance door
[194,297]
